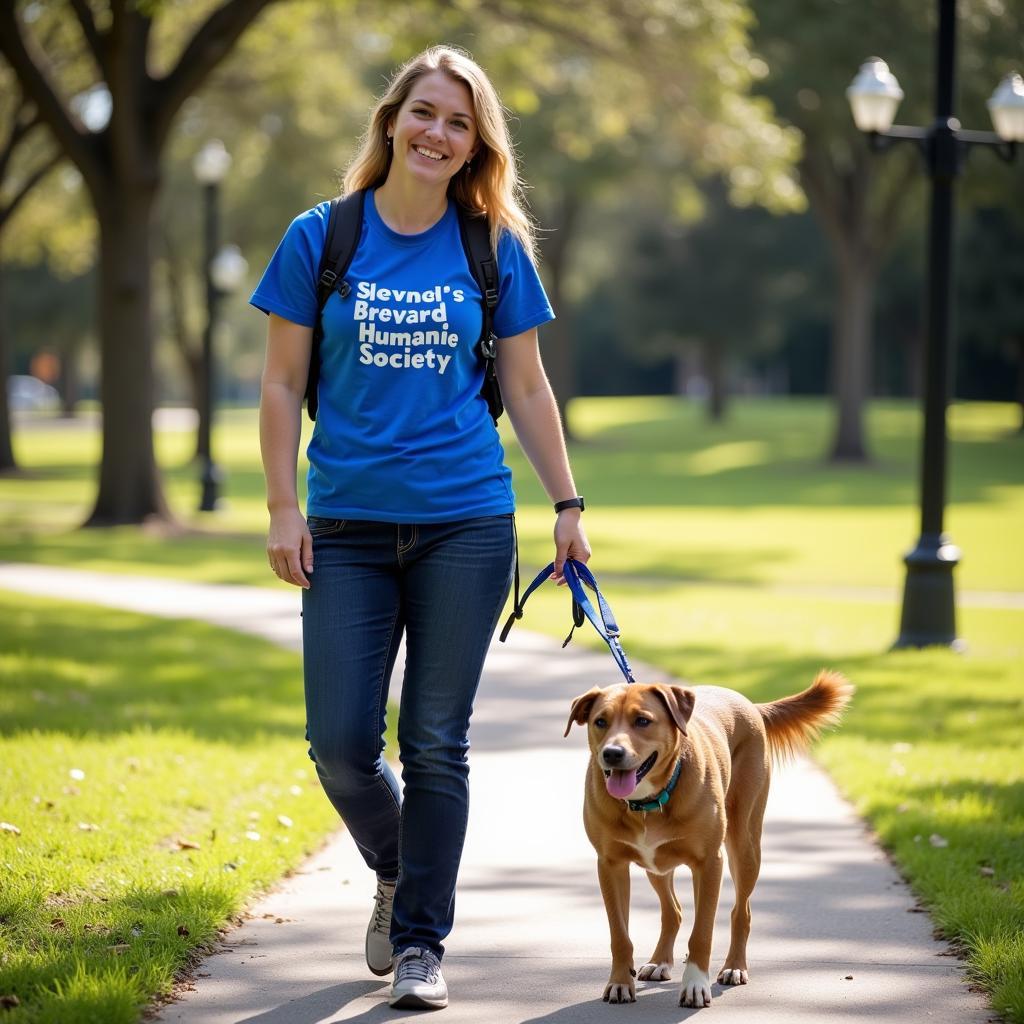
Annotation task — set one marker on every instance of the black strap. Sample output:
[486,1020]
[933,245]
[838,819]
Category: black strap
[344,226]
[476,240]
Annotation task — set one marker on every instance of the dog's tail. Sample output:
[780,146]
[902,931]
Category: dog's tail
[792,722]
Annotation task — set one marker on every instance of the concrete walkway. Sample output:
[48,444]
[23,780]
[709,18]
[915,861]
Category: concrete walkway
[836,934]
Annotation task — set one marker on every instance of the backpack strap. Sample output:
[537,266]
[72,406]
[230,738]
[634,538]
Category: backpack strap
[344,226]
[476,240]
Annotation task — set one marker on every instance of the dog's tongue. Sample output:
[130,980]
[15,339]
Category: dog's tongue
[621,784]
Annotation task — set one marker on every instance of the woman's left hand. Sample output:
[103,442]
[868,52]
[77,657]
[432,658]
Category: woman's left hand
[570,542]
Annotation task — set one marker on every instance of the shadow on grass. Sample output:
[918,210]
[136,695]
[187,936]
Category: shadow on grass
[88,670]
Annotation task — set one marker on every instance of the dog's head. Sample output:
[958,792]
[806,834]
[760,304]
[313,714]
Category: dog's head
[634,730]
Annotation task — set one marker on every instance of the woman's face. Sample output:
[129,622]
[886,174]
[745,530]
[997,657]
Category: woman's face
[434,131]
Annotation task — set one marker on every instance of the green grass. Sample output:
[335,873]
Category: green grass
[732,555]
[154,773]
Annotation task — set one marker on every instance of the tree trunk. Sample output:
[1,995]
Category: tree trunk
[1020,379]
[851,356]
[68,384]
[559,355]
[713,366]
[129,484]
[7,460]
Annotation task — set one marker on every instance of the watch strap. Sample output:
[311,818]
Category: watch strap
[577,502]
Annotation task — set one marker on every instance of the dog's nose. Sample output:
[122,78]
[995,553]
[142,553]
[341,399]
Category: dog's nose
[612,755]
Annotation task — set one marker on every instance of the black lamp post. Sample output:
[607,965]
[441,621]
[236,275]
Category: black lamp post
[210,165]
[929,606]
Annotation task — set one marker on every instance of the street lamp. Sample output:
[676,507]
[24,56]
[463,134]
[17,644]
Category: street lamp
[929,606]
[210,166]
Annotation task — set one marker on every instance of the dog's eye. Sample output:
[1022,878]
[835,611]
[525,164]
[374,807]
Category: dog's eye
[642,722]
[601,723]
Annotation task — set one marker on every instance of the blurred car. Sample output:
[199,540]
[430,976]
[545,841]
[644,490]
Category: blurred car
[25,393]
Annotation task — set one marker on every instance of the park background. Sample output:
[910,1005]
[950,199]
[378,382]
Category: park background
[739,287]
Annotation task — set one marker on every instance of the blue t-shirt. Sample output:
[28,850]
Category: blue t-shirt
[402,433]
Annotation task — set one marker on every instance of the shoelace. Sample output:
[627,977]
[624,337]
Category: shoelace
[383,902]
[419,965]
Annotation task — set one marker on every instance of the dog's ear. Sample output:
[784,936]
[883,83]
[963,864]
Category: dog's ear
[580,710]
[679,701]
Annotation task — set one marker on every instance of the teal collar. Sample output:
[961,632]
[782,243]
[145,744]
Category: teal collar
[658,802]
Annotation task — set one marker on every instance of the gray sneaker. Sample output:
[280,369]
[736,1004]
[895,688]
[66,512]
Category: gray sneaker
[418,983]
[379,953]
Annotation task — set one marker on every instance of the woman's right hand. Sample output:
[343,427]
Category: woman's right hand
[290,547]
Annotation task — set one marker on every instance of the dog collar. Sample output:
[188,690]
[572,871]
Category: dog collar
[658,802]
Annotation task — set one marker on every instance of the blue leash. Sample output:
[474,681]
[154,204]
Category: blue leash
[579,577]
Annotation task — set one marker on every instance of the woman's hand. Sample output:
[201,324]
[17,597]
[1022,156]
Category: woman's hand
[290,547]
[570,542]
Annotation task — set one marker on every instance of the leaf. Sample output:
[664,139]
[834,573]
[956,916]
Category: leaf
[183,930]
[88,826]
[186,844]
[6,826]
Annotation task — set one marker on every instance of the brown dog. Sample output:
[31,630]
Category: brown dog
[717,746]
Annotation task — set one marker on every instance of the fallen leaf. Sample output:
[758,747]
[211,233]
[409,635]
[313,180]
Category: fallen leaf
[77,774]
[938,841]
[987,872]
[283,819]
[6,826]
[849,977]
[57,923]
[9,1002]
[88,826]
[182,930]
[186,844]
[230,866]
[254,836]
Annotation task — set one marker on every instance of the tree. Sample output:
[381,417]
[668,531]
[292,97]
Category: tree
[23,165]
[860,200]
[121,164]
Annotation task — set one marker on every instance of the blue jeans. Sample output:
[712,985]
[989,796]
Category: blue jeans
[443,585]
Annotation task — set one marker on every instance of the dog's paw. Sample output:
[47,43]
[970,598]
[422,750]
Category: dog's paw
[655,972]
[732,976]
[620,992]
[695,989]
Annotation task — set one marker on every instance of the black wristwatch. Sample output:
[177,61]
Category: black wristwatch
[577,502]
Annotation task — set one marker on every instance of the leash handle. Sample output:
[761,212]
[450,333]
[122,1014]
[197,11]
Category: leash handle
[578,577]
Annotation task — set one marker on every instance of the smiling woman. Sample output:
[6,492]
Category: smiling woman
[408,486]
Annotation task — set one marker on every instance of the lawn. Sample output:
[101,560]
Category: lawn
[152,774]
[731,554]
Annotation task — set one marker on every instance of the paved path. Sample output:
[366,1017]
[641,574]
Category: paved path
[836,934]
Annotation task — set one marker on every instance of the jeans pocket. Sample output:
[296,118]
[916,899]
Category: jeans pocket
[321,526]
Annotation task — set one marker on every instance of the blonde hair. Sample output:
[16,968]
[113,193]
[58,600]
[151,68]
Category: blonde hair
[491,185]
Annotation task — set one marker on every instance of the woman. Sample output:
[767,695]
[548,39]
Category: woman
[410,505]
